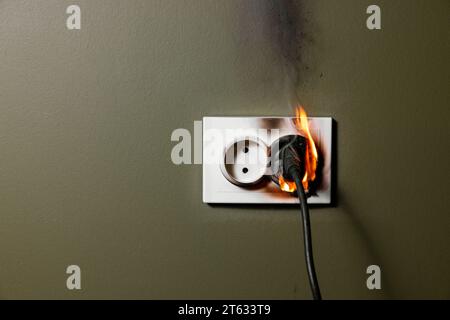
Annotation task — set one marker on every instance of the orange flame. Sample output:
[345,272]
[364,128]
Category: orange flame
[286,186]
[311,156]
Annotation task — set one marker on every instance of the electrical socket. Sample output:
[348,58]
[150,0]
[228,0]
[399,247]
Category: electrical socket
[236,159]
[245,161]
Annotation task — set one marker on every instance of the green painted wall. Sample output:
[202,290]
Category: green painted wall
[85,124]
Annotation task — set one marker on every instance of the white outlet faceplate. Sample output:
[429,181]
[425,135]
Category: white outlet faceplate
[219,133]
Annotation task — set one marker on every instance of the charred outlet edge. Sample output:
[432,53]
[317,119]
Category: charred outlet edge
[290,151]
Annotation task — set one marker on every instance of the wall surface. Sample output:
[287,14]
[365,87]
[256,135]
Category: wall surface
[86,176]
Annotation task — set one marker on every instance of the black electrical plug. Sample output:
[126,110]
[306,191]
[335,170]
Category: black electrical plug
[288,161]
[287,157]
[292,156]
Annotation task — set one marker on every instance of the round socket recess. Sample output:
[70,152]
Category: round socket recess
[245,162]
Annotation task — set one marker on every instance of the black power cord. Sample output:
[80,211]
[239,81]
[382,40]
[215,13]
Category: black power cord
[291,155]
[307,239]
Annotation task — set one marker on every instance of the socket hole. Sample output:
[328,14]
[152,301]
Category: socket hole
[246,151]
[245,170]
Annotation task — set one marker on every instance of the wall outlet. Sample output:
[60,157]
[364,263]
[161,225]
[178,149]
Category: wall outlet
[245,161]
[246,142]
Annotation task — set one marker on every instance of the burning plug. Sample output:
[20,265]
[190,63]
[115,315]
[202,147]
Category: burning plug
[295,155]
[288,154]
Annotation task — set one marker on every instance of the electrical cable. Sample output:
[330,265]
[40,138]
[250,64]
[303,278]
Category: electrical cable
[307,239]
[288,162]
